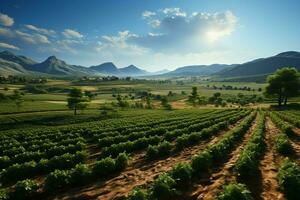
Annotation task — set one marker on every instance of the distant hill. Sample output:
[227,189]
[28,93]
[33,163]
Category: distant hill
[10,68]
[108,68]
[21,60]
[11,64]
[198,70]
[263,66]
[54,66]
[132,70]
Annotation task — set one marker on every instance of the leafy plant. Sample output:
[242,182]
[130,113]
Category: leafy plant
[235,191]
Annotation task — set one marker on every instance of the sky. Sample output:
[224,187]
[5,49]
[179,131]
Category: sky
[151,34]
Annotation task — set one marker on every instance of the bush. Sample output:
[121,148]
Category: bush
[25,189]
[121,162]
[104,167]
[202,162]
[289,179]
[283,145]
[80,174]
[138,194]
[158,151]
[4,194]
[182,174]
[235,191]
[152,152]
[4,162]
[57,180]
[163,187]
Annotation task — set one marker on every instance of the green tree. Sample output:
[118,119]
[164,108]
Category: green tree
[194,95]
[283,84]
[17,97]
[76,100]
[165,103]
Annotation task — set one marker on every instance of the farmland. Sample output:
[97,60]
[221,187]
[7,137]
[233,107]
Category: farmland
[180,154]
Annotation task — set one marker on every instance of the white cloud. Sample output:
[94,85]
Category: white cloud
[5,32]
[155,23]
[40,30]
[8,46]
[32,38]
[112,46]
[69,33]
[174,12]
[147,13]
[5,20]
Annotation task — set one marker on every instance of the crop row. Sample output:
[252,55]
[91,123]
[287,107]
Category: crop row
[247,164]
[186,127]
[168,185]
[138,144]
[30,169]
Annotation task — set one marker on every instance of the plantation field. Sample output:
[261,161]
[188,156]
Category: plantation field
[154,154]
[57,99]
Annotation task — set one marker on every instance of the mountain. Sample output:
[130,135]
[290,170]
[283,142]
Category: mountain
[198,70]
[132,70]
[264,66]
[54,66]
[21,60]
[108,68]
[10,68]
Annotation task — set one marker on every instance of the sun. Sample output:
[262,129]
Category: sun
[212,36]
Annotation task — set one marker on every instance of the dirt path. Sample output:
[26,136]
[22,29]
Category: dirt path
[269,166]
[139,172]
[295,142]
[93,150]
[209,189]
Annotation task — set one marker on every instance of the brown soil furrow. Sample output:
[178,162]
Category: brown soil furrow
[209,189]
[139,172]
[269,166]
[93,151]
[295,142]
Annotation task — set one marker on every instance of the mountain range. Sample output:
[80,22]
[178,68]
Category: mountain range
[11,64]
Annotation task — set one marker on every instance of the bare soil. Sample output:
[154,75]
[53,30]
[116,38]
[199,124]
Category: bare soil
[139,172]
[208,189]
[269,166]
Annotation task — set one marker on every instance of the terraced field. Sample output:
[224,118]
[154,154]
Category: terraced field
[186,154]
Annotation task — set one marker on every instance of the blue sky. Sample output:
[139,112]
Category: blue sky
[151,34]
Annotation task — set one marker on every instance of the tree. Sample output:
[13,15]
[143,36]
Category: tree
[17,97]
[194,95]
[76,100]
[165,103]
[285,83]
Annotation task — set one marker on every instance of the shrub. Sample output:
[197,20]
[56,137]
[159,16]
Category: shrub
[121,162]
[283,145]
[57,180]
[104,167]
[289,179]
[138,194]
[202,162]
[80,174]
[235,191]
[163,187]
[182,174]
[4,194]
[25,189]
[152,152]
[4,162]
[18,172]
